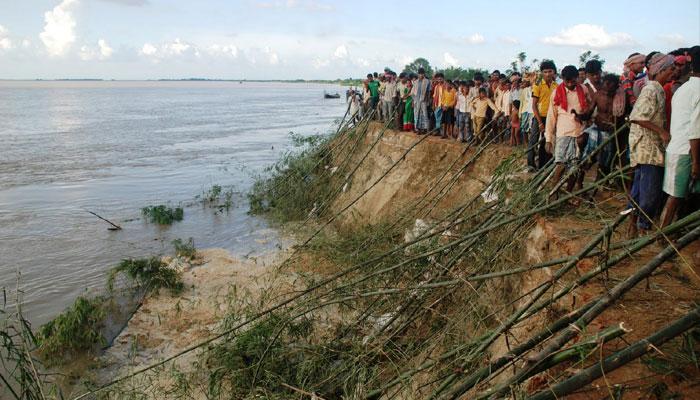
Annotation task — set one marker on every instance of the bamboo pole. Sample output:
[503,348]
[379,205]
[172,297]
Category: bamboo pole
[601,305]
[620,358]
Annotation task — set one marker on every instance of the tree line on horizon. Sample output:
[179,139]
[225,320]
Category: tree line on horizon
[519,64]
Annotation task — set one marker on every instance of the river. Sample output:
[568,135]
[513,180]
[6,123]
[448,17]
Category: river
[113,147]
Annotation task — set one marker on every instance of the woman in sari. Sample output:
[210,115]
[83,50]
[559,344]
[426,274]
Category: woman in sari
[408,99]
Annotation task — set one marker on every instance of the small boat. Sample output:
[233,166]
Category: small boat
[331,96]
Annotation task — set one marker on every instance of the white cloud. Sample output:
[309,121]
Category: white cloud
[176,48]
[225,50]
[318,63]
[476,39]
[674,39]
[362,62]
[101,51]
[105,50]
[272,57]
[589,36]
[5,42]
[341,52]
[148,49]
[59,31]
[509,40]
[449,60]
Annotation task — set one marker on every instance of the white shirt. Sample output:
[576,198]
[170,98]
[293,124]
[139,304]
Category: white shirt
[685,117]
[461,102]
[389,90]
[473,93]
[504,102]
[526,100]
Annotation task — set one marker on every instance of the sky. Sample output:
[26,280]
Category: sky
[322,39]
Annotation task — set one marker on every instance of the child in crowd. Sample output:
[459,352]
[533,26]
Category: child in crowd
[462,111]
[479,106]
[407,101]
[503,105]
[447,103]
[515,124]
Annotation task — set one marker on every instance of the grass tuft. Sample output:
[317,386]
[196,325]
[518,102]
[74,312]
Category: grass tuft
[151,273]
[77,329]
[162,214]
[184,249]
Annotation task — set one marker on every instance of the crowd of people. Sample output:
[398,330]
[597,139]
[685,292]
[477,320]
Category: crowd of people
[645,122]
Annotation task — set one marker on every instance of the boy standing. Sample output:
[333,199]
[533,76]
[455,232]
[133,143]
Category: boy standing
[479,106]
[447,102]
[462,111]
[541,94]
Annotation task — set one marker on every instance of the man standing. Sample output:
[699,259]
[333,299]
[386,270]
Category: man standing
[373,87]
[400,102]
[594,70]
[437,100]
[564,130]
[541,93]
[682,173]
[420,93]
[389,97]
[647,144]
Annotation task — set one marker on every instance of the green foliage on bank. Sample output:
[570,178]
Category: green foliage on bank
[151,273]
[291,188]
[79,328]
[163,214]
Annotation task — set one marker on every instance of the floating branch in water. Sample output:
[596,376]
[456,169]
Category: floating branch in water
[114,227]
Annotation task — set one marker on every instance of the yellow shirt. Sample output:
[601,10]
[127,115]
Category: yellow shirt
[543,94]
[448,98]
[480,105]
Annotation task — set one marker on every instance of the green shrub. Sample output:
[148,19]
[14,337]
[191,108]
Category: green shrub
[162,214]
[295,185]
[217,198]
[77,329]
[151,273]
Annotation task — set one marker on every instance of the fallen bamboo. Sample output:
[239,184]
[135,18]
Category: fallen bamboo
[620,358]
[460,389]
[601,305]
